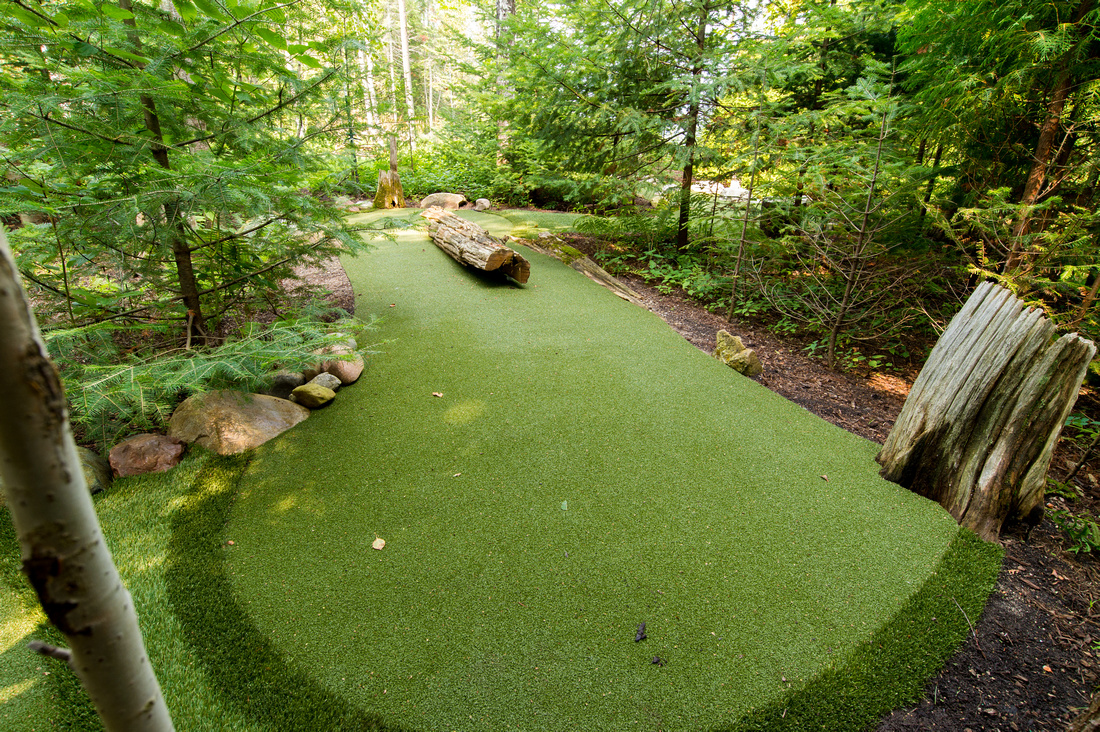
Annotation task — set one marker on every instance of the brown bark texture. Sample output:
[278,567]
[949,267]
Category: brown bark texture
[64,554]
[978,428]
[473,246]
[389,193]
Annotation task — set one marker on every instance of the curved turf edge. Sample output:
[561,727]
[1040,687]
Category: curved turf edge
[892,668]
[239,659]
[886,672]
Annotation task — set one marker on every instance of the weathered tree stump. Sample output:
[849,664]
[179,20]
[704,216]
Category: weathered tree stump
[389,193]
[978,428]
[472,245]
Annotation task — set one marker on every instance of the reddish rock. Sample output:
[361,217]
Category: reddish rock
[145,454]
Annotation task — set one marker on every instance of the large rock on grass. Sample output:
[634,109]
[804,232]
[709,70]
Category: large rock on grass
[733,352]
[443,200]
[147,453]
[229,422]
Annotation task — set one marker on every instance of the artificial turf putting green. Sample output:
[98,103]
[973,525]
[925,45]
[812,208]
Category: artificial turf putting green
[585,470]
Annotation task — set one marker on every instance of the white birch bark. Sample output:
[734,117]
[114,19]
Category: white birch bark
[366,70]
[64,554]
[388,21]
[406,69]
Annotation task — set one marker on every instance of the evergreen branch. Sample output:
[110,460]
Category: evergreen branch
[55,24]
[235,235]
[28,276]
[261,115]
[224,285]
[45,117]
[233,25]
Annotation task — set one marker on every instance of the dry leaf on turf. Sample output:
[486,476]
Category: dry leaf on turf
[437,394]
[378,543]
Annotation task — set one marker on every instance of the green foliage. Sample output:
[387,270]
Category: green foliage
[166,155]
[113,394]
[1083,532]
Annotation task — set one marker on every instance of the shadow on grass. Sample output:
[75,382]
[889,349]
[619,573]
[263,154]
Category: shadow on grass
[240,660]
[72,708]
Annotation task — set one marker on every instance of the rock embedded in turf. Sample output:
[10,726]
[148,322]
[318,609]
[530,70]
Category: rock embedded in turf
[145,454]
[312,396]
[229,422]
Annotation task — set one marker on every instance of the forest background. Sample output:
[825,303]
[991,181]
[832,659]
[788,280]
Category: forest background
[844,171]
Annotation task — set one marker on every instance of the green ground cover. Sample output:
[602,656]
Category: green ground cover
[584,470]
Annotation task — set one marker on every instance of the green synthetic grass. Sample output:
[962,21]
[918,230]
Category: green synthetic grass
[585,470]
[569,484]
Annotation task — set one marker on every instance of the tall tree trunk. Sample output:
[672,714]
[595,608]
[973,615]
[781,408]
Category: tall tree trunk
[406,69]
[391,63]
[931,180]
[366,70]
[690,138]
[1043,158]
[505,9]
[64,554]
[176,224]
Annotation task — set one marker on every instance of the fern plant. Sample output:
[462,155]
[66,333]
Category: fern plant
[112,396]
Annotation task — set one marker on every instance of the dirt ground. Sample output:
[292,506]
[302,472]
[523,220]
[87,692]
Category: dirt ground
[1033,658]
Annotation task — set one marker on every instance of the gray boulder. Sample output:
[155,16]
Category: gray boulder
[147,453]
[229,422]
[734,354]
[312,396]
[97,471]
[326,380]
[481,204]
[443,200]
[283,382]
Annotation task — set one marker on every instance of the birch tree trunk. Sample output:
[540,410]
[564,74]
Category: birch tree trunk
[366,70]
[406,69]
[64,554]
[978,428]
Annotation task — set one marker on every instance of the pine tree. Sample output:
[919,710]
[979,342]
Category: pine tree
[160,144]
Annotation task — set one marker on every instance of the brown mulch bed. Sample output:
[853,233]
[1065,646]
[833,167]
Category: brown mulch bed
[1034,656]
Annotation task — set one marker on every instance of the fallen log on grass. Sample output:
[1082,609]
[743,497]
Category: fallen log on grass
[979,425]
[472,245]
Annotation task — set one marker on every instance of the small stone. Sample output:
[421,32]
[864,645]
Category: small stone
[353,209]
[734,354]
[326,380]
[312,396]
[481,204]
[147,453]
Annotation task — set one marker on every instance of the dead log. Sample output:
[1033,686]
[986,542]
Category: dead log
[554,247]
[472,245]
[978,428]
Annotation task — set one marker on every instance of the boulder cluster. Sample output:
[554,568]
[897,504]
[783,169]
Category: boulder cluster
[229,422]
